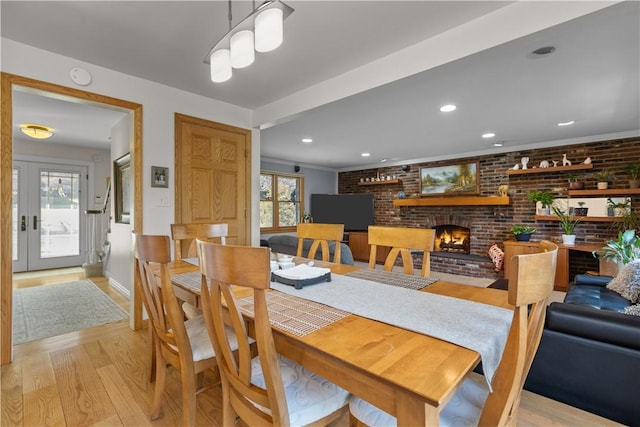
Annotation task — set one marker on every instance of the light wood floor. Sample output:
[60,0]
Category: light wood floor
[99,377]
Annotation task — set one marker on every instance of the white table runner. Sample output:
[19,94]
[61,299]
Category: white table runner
[479,327]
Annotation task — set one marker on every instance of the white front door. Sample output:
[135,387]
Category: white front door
[49,201]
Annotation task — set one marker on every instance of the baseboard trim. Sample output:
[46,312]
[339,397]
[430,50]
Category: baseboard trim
[120,288]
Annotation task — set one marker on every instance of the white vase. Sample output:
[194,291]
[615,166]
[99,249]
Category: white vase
[602,185]
[569,239]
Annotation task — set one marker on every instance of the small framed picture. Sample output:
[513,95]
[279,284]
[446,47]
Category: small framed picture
[159,176]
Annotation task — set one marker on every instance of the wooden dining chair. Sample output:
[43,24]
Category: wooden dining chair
[531,281]
[184,237]
[321,234]
[184,345]
[184,240]
[253,388]
[402,240]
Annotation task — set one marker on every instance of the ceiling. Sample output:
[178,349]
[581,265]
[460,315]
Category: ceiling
[591,78]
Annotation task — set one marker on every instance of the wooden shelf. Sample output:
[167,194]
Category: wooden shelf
[453,201]
[581,218]
[390,181]
[552,169]
[607,192]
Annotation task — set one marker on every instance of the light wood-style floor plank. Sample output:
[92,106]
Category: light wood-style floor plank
[99,377]
[43,407]
[82,393]
[125,403]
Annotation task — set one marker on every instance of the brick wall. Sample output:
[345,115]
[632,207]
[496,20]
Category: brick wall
[491,224]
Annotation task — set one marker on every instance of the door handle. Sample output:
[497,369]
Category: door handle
[35,222]
[23,223]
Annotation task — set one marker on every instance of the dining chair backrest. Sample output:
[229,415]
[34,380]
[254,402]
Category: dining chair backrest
[184,236]
[223,266]
[321,234]
[531,281]
[401,240]
[174,341]
[253,388]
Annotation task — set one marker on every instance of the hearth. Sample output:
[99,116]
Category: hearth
[452,238]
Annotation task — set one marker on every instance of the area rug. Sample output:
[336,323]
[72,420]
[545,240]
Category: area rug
[46,311]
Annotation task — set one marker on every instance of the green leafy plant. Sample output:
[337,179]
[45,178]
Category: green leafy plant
[545,197]
[522,229]
[623,250]
[633,169]
[571,177]
[603,176]
[620,205]
[568,222]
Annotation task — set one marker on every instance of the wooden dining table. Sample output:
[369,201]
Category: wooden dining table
[407,374]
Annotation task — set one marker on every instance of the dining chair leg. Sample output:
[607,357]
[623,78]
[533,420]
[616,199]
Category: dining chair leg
[188,398]
[161,376]
[228,414]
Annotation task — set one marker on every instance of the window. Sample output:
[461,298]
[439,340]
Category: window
[280,201]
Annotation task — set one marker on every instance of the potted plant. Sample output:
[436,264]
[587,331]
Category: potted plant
[581,211]
[522,232]
[545,197]
[633,169]
[568,223]
[574,184]
[306,217]
[602,179]
[619,208]
[621,251]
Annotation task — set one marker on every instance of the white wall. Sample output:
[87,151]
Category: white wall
[159,103]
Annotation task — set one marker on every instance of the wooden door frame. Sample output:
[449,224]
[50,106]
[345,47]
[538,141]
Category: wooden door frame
[8,81]
[179,119]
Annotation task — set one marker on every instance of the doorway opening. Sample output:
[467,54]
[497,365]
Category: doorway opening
[11,83]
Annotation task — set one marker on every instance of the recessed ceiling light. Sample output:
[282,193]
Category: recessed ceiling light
[365,154]
[569,123]
[307,140]
[488,135]
[498,143]
[447,108]
[383,160]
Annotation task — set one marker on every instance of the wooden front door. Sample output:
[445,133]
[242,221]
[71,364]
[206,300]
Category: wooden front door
[213,170]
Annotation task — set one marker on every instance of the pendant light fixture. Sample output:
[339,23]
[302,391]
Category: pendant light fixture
[236,49]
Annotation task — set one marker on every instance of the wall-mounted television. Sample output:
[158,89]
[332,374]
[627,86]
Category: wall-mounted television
[355,211]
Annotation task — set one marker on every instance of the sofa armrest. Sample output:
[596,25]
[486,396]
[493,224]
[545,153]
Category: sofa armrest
[591,323]
[588,279]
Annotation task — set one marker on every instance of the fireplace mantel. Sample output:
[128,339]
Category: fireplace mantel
[453,201]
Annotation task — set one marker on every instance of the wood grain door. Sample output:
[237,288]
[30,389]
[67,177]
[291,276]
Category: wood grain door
[213,170]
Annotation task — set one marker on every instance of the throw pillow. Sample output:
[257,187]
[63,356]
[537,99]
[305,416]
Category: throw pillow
[627,282]
[634,310]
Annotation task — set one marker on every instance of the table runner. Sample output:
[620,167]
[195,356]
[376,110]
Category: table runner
[189,280]
[295,315]
[479,327]
[393,278]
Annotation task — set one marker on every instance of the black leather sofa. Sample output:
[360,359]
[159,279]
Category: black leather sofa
[589,356]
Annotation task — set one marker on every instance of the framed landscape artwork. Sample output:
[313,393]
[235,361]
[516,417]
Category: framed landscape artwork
[450,180]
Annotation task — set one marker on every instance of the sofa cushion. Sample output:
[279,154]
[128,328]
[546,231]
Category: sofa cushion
[598,325]
[627,282]
[596,297]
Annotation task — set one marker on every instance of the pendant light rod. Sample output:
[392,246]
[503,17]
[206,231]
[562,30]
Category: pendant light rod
[247,24]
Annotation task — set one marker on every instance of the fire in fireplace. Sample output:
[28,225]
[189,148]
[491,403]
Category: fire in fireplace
[452,238]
